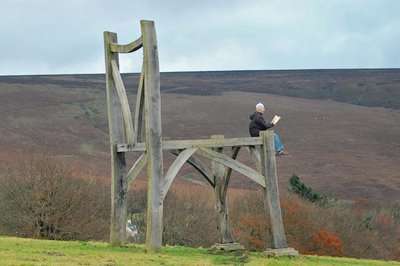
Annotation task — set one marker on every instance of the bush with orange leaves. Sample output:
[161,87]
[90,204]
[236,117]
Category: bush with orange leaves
[250,230]
[327,243]
[341,229]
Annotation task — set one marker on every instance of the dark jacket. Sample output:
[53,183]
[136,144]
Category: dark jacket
[258,123]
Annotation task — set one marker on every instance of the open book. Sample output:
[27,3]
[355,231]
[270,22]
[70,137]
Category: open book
[275,120]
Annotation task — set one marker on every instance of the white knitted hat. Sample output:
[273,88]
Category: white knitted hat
[260,106]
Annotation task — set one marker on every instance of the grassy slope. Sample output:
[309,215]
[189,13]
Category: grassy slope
[18,251]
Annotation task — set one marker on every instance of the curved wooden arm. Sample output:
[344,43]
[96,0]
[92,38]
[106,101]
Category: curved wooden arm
[126,48]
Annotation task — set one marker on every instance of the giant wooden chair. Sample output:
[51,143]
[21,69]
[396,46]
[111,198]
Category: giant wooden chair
[143,134]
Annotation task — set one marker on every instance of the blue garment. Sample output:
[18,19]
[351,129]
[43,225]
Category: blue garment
[278,143]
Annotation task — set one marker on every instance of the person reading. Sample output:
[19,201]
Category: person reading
[258,123]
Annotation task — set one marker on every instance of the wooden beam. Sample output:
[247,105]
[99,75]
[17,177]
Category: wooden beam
[199,167]
[221,203]
[139,110]
[194,143]
[136,168]
[126,48]
[271,198]
[153,136]
[235,165]
[119,184]
[228,173]
[123,99]
[255,154]
[235,152]
[174,169]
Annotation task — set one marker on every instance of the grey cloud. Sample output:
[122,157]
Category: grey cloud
[66,36]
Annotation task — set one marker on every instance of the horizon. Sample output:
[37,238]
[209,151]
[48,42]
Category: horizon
[205,71]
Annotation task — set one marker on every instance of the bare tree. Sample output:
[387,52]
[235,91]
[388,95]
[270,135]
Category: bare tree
[41,198]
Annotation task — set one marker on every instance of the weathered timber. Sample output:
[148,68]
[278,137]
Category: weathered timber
[198,166]
[226,247]
[139,110]
[123,99]
[126,48]
[153,136]
[174,169]
[281,252]
[194,143]
[235,165]
[136,168]
[228,172]
[118,163]
[271,199]
[221,203]
[255,154]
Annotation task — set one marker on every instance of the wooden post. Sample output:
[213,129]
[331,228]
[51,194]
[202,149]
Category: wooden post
[255,155]
[118,163]
[138,120]
[272,204]
[152,136]
[221,183]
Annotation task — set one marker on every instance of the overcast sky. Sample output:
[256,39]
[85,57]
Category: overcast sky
[50,36]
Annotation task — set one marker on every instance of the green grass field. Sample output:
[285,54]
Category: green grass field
[20,251]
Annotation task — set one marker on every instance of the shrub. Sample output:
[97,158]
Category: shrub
[298,187]
[341,229]
[41,198]
[189,216]
[327,243]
